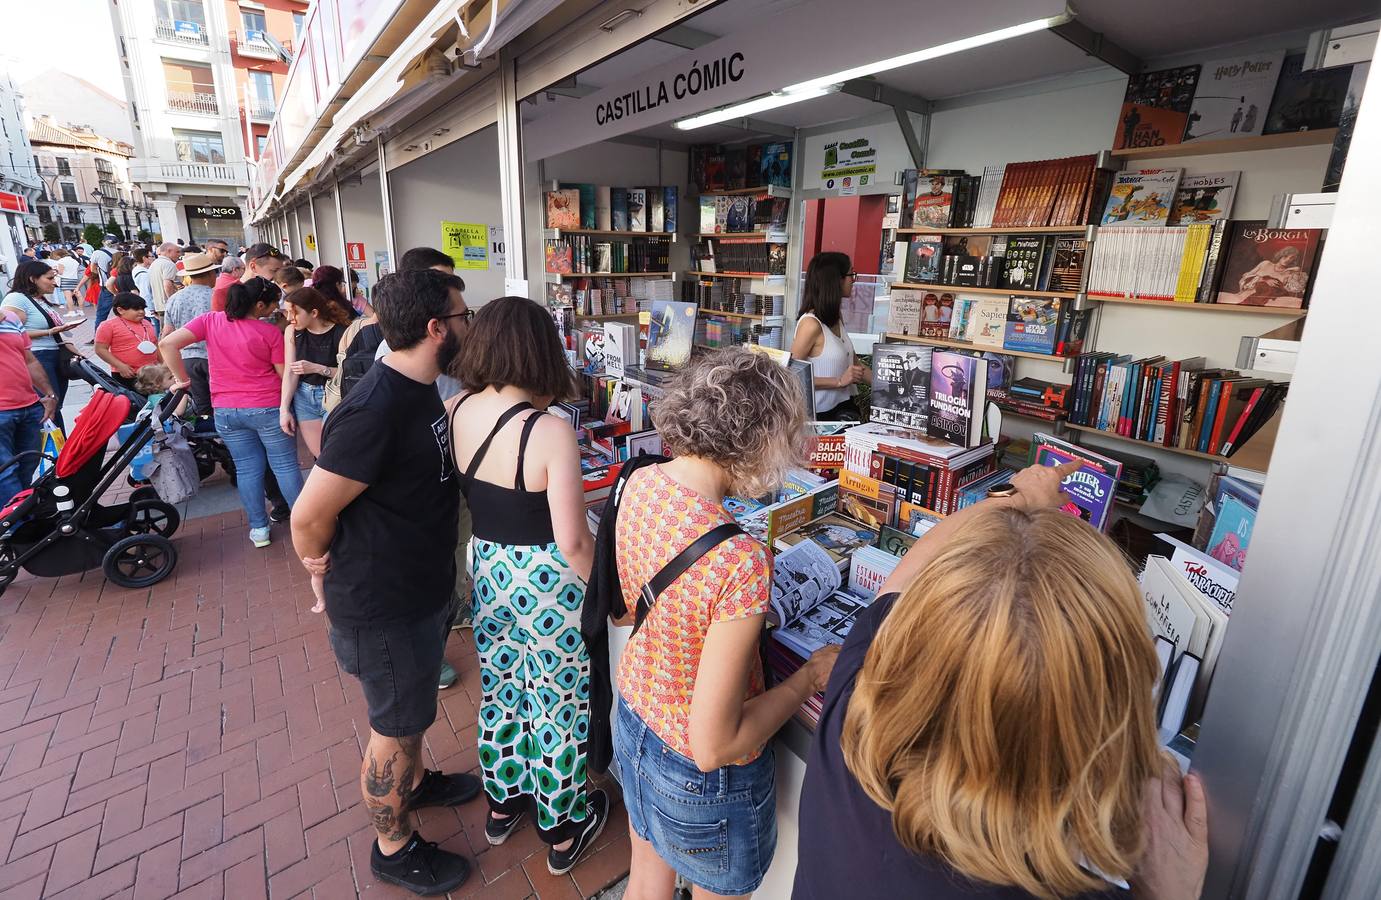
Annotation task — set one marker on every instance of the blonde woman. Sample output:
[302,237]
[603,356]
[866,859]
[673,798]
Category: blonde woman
[692,718]
[989,730]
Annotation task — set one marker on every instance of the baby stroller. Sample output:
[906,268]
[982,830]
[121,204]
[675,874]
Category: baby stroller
[58,527]
[208,448]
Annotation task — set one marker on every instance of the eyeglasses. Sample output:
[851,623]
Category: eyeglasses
[851,275]
[467,315]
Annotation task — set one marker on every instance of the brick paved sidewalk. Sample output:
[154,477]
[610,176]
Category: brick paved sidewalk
[197,740]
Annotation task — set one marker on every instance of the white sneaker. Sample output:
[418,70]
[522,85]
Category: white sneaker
[73,314]
[259,537]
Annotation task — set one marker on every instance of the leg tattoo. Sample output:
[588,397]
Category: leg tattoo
[386,794]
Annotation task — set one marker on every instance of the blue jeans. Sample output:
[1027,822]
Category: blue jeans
[307,402]
[49,360]
[249,434]
[103,304]
[19,431]
[717,829]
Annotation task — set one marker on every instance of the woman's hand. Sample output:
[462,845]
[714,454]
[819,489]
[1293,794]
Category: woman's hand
[180,384]
[302,367]
[59,329]
[287,422]
[1176,857]
[854,374]
[317,567]
[1038,487]
[820,665]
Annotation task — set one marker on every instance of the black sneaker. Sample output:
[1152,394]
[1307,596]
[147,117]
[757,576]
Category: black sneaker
[559,862]
[421,867]
[438,789]
[496,831]
[280,513]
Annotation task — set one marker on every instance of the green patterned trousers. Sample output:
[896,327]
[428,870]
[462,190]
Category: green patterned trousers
[535,677]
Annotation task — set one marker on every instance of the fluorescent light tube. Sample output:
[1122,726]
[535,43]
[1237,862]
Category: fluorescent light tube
[907,59]
[756,105]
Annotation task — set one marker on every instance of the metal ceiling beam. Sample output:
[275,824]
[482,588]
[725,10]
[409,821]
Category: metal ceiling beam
[567,87]
[760,126]
[1097,45]
[876,91]
[685,37]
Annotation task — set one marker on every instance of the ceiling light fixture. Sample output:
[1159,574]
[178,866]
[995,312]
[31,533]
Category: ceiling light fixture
[756,105]
[907,59]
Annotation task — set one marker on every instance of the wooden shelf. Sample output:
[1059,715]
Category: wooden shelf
[1255,453]
[964,289]
[565,275]
[1030,229]
[1208,307]
[771,190]
[555,234]
[1232,145]
[603,316]
[736,315]
[745,236]
[735,275]
[981,348]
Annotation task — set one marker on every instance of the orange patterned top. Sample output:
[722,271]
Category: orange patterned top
[659,518]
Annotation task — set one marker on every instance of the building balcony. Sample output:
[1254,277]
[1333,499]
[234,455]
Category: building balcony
[181,32]
[254,45]
[262,110]
[193,102]
[170,172]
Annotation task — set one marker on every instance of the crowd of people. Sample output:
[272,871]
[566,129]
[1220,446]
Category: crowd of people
[987,727]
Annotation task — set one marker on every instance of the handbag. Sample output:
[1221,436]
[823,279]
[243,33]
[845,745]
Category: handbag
[677,565]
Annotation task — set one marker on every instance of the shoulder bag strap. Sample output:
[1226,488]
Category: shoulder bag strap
[678,565]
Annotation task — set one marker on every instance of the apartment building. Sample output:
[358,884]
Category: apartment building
[19,184]
[203,78]
[86,179]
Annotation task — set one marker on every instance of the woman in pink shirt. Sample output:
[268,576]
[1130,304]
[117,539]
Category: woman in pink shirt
[245,359]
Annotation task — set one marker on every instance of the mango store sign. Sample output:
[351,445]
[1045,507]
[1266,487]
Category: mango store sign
[757,60]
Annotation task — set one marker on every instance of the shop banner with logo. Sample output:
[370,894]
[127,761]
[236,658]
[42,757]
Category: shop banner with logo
[467,243]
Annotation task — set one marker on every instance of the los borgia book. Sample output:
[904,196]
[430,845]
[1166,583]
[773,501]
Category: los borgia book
[811,610]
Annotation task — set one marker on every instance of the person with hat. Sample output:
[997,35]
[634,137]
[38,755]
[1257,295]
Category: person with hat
[199,274]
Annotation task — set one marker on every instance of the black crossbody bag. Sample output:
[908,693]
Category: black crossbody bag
[677,565]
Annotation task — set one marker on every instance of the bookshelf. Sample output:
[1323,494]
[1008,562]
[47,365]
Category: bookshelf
[967,289]
[733,275]
[565,275]
[1207,307]
[755,317]
[1255,454]
[981,348]
[1030,229]
[770,237]
[769,190]
[1232,145]
[556,234]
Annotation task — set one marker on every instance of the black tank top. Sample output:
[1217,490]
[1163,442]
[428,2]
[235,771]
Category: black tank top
[318,348]
[514,516]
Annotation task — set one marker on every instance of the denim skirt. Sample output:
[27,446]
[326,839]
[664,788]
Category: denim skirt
[717,829]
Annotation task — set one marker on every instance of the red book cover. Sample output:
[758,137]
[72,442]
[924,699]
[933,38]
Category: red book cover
[1242,418]
[1155,108]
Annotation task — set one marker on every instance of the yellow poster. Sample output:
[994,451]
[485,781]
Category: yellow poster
[466,243]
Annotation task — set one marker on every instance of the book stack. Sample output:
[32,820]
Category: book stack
[592,207]
[717,168]
[730,214]
[1049,192]
[729,256]
[929,472]
[1174,403]
[583,253]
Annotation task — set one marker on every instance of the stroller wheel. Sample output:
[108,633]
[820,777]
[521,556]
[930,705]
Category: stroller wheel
[134,482]
[153,517]
[147,492]
[8,570]
[140,560]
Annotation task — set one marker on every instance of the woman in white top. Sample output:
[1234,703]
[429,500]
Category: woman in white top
[822,340]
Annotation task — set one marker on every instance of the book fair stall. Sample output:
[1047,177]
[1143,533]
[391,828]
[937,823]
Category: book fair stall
[1092,233]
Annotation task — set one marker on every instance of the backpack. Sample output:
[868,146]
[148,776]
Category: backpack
[359,357]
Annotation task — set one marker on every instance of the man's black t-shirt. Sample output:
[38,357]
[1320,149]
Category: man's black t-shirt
[393,557]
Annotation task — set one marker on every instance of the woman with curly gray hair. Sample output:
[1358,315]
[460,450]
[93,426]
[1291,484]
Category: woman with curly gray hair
[693,718]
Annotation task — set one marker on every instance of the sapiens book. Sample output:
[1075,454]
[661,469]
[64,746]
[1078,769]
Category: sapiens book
[958,389]
[987,322]
[671,334]
[1033,324]
[1092,489]
[937,311]
[1141,197]
[933,202]
[1268,266]
[923,259]
[837,535]
[904,313]
[811,610]
[563,208]
[1204,198]
[901,384]
[1233,96]
[1156,108]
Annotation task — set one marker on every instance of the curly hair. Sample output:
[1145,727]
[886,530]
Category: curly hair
[739,409]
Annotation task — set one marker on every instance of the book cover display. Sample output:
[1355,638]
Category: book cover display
[811,610]
[1304,101]
[1023,263]
[1156,108]
[1033,324]
[1233,96]
[958,388]
[1204,198]
[904,314]
[937,311]
[987,322]
[933,202]
[1092,488]
[671,334]
[1141,197]
[563,208]
[1268,266]
[923,259]
[901,384]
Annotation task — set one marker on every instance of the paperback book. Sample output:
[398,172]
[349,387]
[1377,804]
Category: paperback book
[1141,197]
[923,256]
[671,334]
[1092,488]
[937,311]
[987,322]
[811,610]
[958,388]
[871,566]
[901,384]
[904,314]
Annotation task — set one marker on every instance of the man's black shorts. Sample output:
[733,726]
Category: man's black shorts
[399,668]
